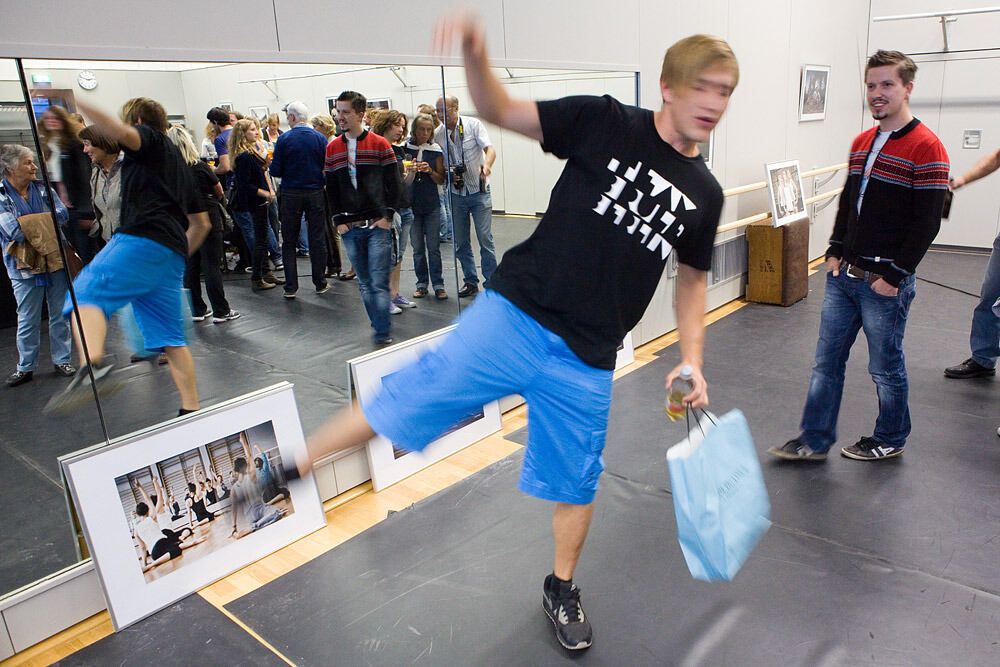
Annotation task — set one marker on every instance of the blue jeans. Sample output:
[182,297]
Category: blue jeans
[427,248]
[480,207]
[369,250]
[446,226]
[245,221]
[29,320]
[985,337]
[849,305]
[405,225]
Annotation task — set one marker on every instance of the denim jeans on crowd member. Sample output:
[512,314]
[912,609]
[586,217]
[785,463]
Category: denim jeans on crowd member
[29,297]
[296,205]
[480,207]
[245,222]
[985,336]
[255,229]
[275,223]
[849,305]
[405,225]
[427,248]
[446,229]
[369,250]
[302,243]
[206,261]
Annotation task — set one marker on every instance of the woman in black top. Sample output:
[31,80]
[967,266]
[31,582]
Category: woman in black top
[253,194]
[209,255]
[69,169]
[391,124]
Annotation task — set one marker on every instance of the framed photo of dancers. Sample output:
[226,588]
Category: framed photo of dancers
[171,509]
[387,462]
[814,85]
[784,183]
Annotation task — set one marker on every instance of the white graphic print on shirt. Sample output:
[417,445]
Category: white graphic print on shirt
[650,232]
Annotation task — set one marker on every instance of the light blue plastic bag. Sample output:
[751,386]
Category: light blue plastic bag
[720,500]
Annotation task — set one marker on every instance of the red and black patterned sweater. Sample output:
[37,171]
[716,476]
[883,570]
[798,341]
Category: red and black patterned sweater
[901,210]
[378,179]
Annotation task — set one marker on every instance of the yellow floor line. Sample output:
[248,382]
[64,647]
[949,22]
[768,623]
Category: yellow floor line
[253,634]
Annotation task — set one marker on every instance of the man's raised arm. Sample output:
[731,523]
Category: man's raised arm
[492,102]
[125,135]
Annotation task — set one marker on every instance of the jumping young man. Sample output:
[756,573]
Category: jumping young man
[162,222]
[634,189]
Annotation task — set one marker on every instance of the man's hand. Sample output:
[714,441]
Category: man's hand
[462,25]
[956,183]
[343,229]
[484,170]
[884,288]
[833,266]
[381,223]
[698,398]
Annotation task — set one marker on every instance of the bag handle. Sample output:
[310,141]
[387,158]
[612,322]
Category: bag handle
[697,420]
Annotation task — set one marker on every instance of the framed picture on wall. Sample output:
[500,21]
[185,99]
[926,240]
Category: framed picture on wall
[388,462]
[228,106]
[260,113]
[170,509]
[814,85]
[785,185]
[379,104]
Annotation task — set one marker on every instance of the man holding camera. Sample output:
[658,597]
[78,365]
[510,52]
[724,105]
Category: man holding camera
[470,159]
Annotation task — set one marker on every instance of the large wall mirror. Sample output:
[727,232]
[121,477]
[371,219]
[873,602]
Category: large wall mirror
[305,340]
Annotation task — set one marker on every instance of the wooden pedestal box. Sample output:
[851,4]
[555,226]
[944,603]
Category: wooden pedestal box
[778,262]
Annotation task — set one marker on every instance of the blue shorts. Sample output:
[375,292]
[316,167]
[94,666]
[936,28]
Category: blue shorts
[136,270]
[495,351]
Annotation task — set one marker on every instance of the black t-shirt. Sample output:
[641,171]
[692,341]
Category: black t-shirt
[624,201]
[205,181]
[157,191]
[404,192]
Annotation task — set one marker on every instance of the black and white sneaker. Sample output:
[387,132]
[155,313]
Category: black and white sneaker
[870,449]
[561,602]
[79,391]
[796,450]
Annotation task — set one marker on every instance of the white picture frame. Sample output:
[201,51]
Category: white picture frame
[784,183]
[814,88]
[707,149]
[94,477]
[260,113]
[387,463]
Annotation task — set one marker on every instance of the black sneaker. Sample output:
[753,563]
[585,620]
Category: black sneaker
[561,602]
[79,392]
[970,368]
[796,450]
[228,317]
[468,289]
[19,377]
[870,449]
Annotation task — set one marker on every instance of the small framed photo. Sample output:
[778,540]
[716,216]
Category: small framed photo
[260,113]
[813,88]
[170,509]
[785,185]
[388,462]
[228,106]
[379,104]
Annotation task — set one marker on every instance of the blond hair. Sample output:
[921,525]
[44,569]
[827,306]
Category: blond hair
[323,123]
[238,142]
[180,138]
[689,57]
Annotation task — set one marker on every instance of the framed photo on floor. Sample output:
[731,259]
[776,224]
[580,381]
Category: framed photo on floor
[171,509]
[814,85]
[785,185]
[387,462]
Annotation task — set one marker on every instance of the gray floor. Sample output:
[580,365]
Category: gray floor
[306,341]
[894,563]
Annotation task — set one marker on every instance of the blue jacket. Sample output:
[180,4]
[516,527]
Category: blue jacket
[298,158]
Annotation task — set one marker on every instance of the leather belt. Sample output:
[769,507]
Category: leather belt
[859,273]
[360,224]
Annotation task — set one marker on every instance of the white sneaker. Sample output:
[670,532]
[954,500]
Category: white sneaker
[394,309]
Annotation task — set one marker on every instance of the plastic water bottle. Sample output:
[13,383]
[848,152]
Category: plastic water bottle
[679,388]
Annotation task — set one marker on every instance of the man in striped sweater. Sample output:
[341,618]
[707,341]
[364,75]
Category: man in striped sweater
[890,212]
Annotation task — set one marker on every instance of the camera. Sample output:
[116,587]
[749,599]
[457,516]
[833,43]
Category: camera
[458,176]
